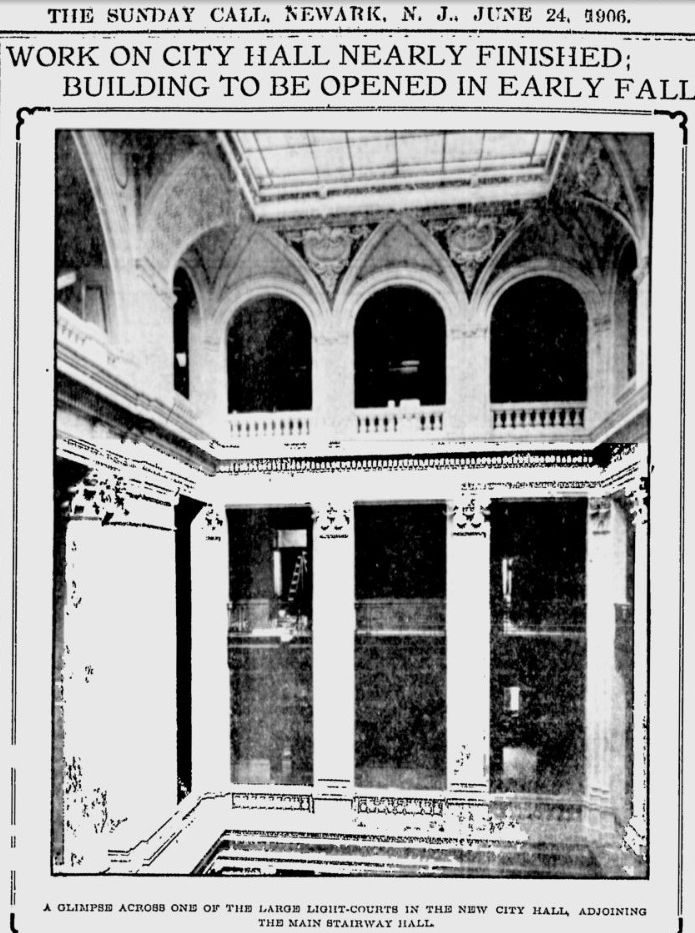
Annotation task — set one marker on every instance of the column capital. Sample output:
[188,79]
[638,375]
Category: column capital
[469,514]
[102,495]
[213,519]
[637,496]
[109,496]
[641,270]
[599,515]
[333,520]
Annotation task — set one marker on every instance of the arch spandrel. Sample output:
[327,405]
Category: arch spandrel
[401,252]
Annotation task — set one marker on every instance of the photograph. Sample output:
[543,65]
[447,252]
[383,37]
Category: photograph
[351,496]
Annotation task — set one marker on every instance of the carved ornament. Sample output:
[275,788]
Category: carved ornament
[327,251]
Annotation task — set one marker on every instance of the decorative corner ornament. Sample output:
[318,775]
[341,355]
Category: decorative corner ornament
[22,114]
[327,251]
[597,177]
[470,515]
[471,239]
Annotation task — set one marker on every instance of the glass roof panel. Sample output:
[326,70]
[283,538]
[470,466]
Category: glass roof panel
[279,164]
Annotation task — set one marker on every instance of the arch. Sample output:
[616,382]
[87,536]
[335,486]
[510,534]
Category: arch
[250,289]
[399,348]
[437,276]
[192,198]
[538,343]
[269,356]
[263,258]
[550,268]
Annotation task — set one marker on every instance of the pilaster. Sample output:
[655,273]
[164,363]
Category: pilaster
[642,279]
[117,672]
[636,833]
[210,714]
[334,649]
[333,387]
[605,587]
[468,644]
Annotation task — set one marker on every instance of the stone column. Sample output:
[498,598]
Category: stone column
[605,587]
[334,650]
[152,345]
[600,369]
[333,387]
[468,644]
[210,714]
[468,391]
[636,833]
[117,673]
[641,277]
[457,384]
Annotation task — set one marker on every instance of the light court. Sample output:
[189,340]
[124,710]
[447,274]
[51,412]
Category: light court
[351,504]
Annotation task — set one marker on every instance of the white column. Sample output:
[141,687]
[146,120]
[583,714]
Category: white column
[457,384]
[476,366]
[151,344]
[605,586]
[641,276]
[334,649]
[333,387]
[118,667]
[209,379]
[636,833]
[211,750]
[600,368]
[468,645]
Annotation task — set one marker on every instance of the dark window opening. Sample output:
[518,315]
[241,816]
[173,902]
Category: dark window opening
[82,273]
[626,296]
[400,646]
[400,347]
[538,344]
[538,648]
[184,305]
[269,357]
[270,649]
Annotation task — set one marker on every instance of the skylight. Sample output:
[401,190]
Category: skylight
[278,166]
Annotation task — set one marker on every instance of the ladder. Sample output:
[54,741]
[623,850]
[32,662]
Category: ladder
[297,577]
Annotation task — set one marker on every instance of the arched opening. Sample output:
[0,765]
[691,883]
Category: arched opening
[400,349]
[626,314]
[184,305]
[538,343]
[269,357]
[83,283]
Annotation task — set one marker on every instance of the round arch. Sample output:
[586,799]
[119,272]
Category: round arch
[269,355]
[399,347]
[538,340]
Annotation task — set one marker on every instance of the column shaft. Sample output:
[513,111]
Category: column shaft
[334,649]
[210,670]
[468,646]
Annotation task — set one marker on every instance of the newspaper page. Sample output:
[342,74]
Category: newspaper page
[345,374]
